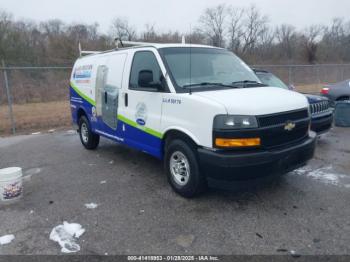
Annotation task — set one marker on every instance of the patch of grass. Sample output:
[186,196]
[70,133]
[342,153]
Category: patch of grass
[36,117]
[309,89]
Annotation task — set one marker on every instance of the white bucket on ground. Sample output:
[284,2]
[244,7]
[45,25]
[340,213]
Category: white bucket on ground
[11,187]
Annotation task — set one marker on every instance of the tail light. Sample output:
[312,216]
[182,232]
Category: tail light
[325,91]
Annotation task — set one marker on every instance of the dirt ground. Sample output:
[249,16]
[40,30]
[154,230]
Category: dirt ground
[36,117]
[309,89]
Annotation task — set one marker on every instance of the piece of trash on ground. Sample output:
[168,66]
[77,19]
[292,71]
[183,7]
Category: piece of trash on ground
[103,182]
[66,235]
[323,174]
[7,239]
[36,133]
[91,206]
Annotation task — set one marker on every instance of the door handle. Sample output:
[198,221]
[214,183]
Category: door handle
[106,97]
[126,99]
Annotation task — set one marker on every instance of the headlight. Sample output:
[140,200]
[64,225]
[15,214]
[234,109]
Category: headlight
[235,122]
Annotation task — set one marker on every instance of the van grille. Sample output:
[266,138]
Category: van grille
[319,107]
[277,136]
[282,118]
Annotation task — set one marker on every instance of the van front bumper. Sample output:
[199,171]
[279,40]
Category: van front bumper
[223,168]
[322,124]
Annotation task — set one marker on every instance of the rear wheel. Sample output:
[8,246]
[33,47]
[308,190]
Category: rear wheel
[182,169]
[89,139]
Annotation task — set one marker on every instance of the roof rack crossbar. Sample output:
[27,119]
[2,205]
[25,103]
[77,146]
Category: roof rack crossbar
[83,52]
[135,43]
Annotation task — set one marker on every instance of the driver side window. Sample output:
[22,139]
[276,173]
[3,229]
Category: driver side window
[145,72]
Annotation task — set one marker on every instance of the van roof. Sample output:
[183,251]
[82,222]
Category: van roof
[154,45]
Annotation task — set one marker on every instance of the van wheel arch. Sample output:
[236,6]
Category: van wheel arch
[176,134]
[81,112]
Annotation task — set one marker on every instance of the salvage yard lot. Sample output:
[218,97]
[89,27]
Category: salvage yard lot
[137,213]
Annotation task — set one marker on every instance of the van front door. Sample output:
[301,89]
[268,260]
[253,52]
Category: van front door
[143,104]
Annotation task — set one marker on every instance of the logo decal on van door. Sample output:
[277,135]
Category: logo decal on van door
[141,114]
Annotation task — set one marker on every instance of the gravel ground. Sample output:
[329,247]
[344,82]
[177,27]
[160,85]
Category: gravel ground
[306,211]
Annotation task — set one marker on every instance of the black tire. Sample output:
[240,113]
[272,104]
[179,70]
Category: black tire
[196,182]
[343,98]
[91,140]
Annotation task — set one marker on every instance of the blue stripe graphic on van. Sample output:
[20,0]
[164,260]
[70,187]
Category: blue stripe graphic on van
[141,138]
[85,97]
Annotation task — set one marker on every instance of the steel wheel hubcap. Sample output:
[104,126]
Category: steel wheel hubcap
[84,133]
[179,168]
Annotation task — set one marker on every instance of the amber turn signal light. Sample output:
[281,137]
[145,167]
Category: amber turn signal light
[238,142]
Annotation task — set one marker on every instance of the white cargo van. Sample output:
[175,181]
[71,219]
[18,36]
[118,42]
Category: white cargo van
[198,108]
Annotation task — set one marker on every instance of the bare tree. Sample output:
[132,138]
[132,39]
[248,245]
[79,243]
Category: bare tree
[212,24]
[286,37]
[254,26]
[310,41]
[121,29]
[149,34]
[235,28]
[5,29]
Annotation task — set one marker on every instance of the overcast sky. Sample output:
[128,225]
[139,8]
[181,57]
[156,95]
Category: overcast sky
[172,14]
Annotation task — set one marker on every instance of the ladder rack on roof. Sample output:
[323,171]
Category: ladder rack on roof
[136,43]
[82,52]
[122,44]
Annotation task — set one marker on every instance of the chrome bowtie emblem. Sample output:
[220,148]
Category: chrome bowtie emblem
[289,126]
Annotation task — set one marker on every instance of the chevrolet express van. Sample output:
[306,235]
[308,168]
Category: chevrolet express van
[200,109]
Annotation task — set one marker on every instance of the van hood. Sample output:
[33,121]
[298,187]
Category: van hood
[257,101]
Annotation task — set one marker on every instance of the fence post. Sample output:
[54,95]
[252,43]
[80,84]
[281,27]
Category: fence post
[290,75]
[9,99]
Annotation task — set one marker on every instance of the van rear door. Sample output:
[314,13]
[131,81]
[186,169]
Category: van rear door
[108,85]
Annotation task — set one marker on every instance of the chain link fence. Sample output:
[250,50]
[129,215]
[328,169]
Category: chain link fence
[34,98]
[309,78]
[37,98]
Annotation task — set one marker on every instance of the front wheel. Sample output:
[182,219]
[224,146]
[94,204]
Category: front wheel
[89,139]
[182,169]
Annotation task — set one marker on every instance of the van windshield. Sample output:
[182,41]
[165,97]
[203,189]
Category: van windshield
[203,68]
[271,80]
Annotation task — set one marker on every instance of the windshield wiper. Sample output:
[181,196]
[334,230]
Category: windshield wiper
[248,82]
[210,84]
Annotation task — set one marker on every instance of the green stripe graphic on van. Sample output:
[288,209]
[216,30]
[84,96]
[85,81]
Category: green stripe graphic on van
[145,129]
[88,99]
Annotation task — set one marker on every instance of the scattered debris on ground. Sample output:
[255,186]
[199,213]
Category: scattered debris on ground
[66,235]
[326,175]
[91,206]
[7,239]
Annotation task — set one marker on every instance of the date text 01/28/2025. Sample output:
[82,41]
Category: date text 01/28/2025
[172,258]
